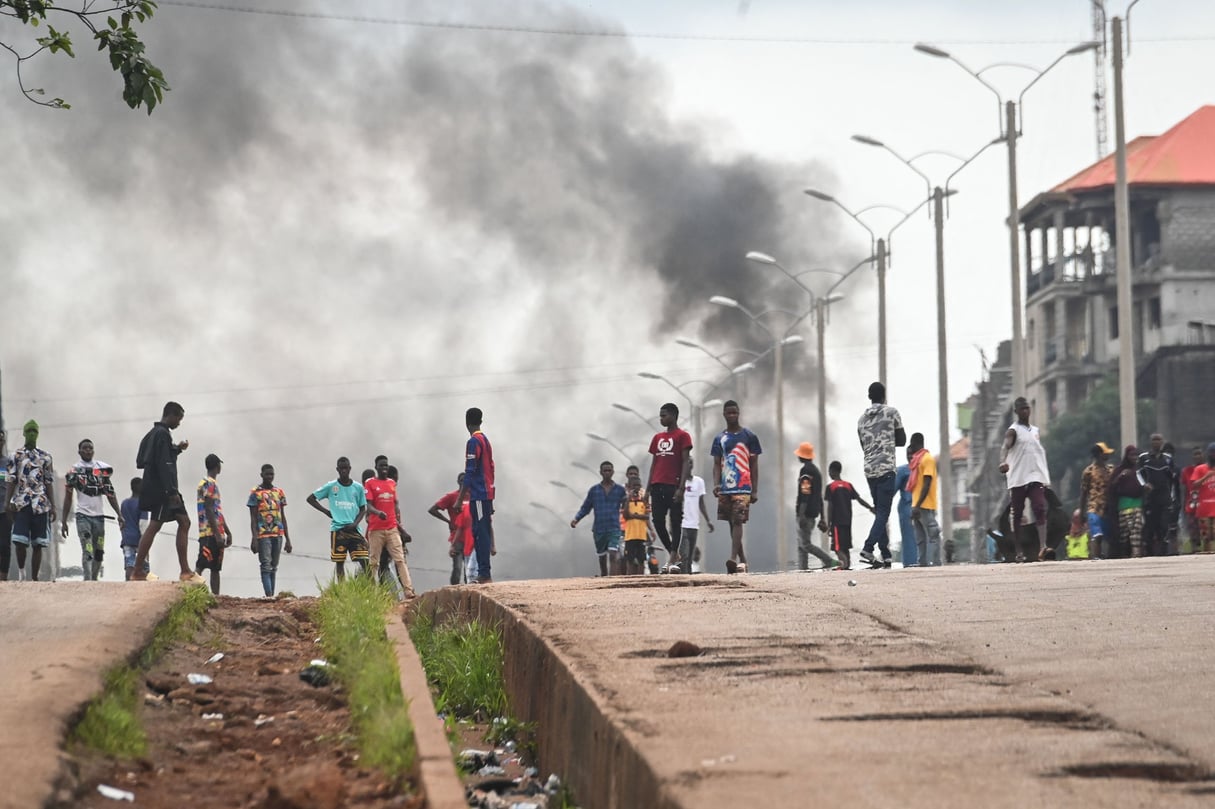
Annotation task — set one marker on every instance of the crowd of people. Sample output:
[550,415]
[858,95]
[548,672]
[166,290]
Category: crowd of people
[28,481]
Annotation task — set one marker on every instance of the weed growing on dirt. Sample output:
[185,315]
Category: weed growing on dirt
[110,724]
[350,615]
[464,663]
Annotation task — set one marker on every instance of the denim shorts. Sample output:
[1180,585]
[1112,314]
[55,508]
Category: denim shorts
[608,541]
[31,529]
[129,552]
[1096,525]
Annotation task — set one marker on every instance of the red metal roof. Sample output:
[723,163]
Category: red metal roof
[1185,155]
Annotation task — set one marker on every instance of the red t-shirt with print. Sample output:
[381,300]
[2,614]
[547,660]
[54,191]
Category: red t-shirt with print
[667,448]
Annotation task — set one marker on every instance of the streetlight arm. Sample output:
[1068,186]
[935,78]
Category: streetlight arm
[970,160]
[1072,51]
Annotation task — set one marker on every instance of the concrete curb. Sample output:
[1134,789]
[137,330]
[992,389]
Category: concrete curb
[436,766]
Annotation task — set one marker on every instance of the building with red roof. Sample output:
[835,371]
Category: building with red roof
[1071,302]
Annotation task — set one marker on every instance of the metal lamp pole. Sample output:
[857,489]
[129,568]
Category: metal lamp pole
[1009,132]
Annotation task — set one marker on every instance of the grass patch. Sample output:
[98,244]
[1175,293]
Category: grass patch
[463,661]
[110,723]
[350,615]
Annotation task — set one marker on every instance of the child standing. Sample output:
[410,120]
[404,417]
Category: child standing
[132,530]
[637,527]
[1077,537]
[693,508]
[459,537]
[838,521]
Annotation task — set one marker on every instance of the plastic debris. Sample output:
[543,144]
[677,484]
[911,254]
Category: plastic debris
[553,783]
[115,794]
[210,716]
[852,582]
[215,658]
[476,759]
[491,769]
[510,746]
[198,679]
[531,772]
[262,720]
[319,662]
[316,676]
[527,805]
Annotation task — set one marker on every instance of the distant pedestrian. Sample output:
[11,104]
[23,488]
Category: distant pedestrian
[1094,486]
[479,483]
[93,480]
[459,537]
[214,535]
[838,518]
[1126,490]
[637,526]
[384,525]
[1023,461]
[1173,520]
[736,454]
[347,506]
[30,499]
[1159,487]
[1196,469]
[1203,486]
[132,516]
[672,453]
[808,508]
[268,527]
[6,519]
[606,499]
[910,553]
[923,487]
[693,509]
[880,429]
[160,494]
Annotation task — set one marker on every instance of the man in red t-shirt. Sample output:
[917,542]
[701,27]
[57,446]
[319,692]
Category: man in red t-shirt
[672,451]
[383,522]
[459,521]
[1202,484]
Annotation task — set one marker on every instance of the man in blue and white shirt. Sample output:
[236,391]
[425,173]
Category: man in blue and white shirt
[606,499]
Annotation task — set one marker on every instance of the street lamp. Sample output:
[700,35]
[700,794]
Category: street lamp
[565,486]
[648,422]
[563,521]
[698,408]
[614,445]
[1009,132]
[582,466]
[683,341]
[938,195]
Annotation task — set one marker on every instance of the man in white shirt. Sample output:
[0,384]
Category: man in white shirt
[693,507]
[91,481]
[1023,460]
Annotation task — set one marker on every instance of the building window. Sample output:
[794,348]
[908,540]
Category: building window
[1113,322]
[1154,313]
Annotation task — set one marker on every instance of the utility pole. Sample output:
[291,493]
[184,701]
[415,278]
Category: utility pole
[1122,250]
[820,311]
[944,475]
[1014,251]
[881,276]
[782,537]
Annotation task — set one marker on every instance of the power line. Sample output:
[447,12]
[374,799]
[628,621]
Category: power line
[608,33]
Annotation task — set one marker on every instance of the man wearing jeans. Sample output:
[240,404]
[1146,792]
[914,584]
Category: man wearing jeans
[880,429]
[268,524]
[479,483]
[922,484]
[91,480]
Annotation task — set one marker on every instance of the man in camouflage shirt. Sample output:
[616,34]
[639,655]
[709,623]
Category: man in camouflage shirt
[1094,483]
[880,429]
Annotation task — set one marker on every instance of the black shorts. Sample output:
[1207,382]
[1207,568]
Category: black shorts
[841,538]
[161,508]
[347,541]
[634,551]
[210,554]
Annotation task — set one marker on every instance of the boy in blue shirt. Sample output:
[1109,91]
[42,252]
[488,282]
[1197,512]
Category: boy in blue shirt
[131,518]
[347,506]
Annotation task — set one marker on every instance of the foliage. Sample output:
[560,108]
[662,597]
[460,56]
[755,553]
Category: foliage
[112,26]
[1073,434]
[351,616]
[464,663]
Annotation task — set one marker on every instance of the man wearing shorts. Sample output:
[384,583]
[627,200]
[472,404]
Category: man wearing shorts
[92,482]
[1023,460]
[383,524]
[347,505]
[268,524]
[637,526]
[131,517]
[736,454]
[160,495]
[838,519]
[30,499]
[213,532]
[606,499]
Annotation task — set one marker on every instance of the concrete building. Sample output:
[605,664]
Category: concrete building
[1071,303]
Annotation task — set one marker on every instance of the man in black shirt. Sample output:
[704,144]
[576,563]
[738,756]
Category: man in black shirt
[160,494]
[1160,484]
[809,507]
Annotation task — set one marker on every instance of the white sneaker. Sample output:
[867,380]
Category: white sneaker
[742,568]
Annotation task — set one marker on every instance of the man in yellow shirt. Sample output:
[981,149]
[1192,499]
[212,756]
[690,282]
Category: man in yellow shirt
[923,487]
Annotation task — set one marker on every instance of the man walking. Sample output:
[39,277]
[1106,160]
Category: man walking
[880,429]
[693,508]
[93,481]
[347,506]
[30,499]
[809,509]
[479,483]
[384,523]
[922,483]
[1094,486]
[606,499]
[268,527]
[211,524]
[1023,460]
[735,454]
[1159,483]
[160,495]
[669,470]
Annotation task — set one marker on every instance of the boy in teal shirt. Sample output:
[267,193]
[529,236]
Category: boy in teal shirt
[347,506]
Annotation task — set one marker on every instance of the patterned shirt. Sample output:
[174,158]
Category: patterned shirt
[607,504]
[736,451]
[92,482]
[208,489]
[269,515]
[876,428]
[35,476]
[1094,483]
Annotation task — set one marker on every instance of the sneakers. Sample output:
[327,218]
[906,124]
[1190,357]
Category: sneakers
[731,566]
[867,556]
[886,563]
[188,578]
[742,567]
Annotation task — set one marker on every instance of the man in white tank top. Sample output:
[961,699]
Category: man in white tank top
[1023,460]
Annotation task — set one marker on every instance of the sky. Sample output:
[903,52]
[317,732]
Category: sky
[337,234]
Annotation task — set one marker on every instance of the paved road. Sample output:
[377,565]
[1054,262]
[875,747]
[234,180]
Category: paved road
[56,642]
[1065,684]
